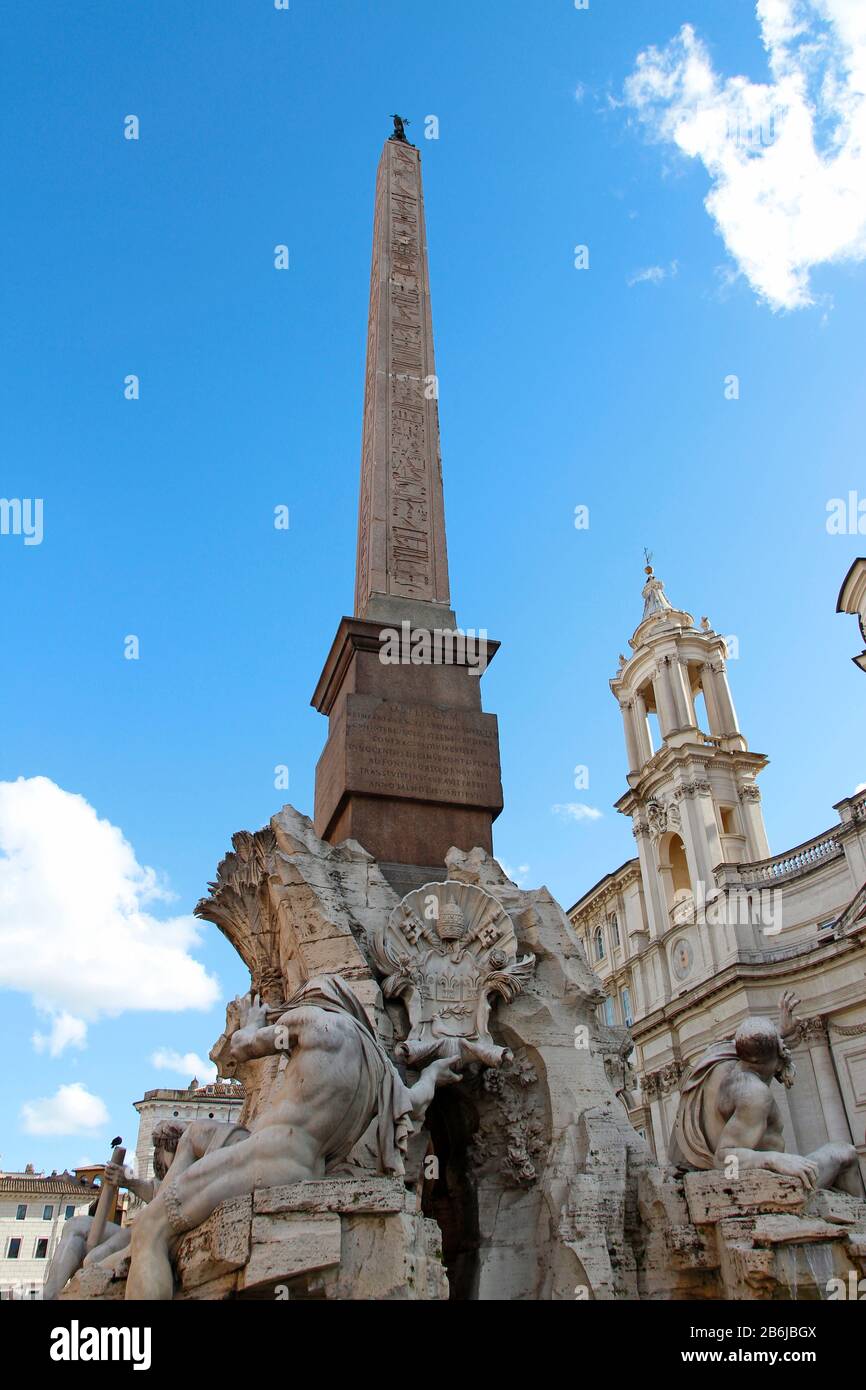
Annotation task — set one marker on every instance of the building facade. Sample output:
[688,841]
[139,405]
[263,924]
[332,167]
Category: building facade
[704,926]
[221,1100]
[33,1210]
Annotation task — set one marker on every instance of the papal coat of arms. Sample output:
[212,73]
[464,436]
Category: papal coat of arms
[444,950]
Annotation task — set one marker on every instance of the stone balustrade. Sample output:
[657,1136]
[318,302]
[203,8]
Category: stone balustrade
[793,864]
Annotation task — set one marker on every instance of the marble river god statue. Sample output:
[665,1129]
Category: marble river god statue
[334,1079]
[727,1110]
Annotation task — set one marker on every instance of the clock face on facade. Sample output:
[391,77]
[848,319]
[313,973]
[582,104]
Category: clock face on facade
[681,958]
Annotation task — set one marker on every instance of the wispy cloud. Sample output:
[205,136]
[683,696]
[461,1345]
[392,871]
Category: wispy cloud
[653,274]
[66,1031]
[576,810]
[786,157]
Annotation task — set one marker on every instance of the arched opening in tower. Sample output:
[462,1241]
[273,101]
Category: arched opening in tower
[680,879]
[675,876]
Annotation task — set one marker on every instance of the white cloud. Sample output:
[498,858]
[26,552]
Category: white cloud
[71,1110]
[186,1064]
[75,930]
[66,1031]
[787,157]
[653,274]
[579,92]
[576,810]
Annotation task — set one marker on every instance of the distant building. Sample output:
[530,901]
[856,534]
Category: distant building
[222,1100]
[705,926]
[33,1210]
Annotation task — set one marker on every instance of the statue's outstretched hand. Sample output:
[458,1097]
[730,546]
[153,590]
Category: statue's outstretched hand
[253,1013]
[445,1071]
[787,1004]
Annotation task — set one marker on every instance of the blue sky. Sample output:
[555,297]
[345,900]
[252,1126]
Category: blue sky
[559,387]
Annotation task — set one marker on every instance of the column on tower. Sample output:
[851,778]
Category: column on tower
[631,746]
[757,844]
[727,713]
[644,747]
[682,693]
[711,699]
[656,906]
[664,699]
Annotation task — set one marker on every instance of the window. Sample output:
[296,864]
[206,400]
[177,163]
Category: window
[625,1000]
[726,815]
[47,1212]
[654,731]
[21,1213]
[598,941]
[14,1248]
[69,1213]
[614,929]
[41,1252]
[609,1017]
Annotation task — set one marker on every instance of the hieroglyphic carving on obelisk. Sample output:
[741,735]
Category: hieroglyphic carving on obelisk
[401,519]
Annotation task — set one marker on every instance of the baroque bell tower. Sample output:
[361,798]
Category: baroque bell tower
[692,790]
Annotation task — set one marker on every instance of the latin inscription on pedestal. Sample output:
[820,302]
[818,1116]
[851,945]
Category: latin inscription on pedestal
[420,752]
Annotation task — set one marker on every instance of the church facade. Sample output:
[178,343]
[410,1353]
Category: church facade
[704,926]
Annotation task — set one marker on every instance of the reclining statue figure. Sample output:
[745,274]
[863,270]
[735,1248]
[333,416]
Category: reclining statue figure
[72,1252]
[334,1078]
[727,1110]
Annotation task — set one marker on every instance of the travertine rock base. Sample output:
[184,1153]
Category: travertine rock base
[341,1238]
[758,1237]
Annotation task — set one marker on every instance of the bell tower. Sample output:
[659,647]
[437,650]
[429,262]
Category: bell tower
[692,789]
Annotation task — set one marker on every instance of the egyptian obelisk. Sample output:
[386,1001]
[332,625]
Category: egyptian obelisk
[411,764]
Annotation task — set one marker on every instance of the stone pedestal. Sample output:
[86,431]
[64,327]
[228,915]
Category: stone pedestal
[340,1238]
[757,1237]
[411,765]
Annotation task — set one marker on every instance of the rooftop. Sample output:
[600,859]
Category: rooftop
[40,1185]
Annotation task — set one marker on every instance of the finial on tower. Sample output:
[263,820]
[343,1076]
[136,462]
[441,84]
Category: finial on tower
[400,124]
[655,600]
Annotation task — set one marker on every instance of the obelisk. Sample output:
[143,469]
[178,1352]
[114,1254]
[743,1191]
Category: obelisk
[411,765]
